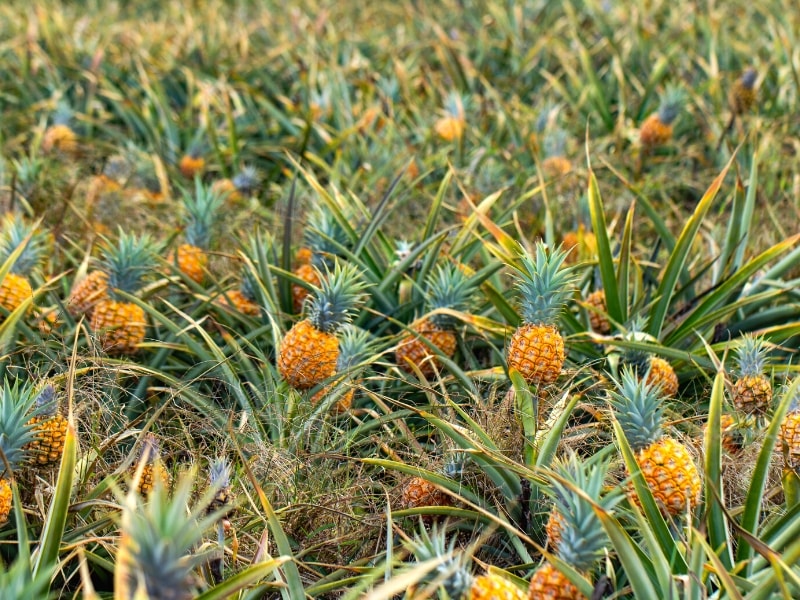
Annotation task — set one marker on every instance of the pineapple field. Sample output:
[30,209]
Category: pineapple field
[465,299]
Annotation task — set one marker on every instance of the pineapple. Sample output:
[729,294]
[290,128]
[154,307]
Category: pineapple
[790,435]
[456,580]
[536,348]
[202,210]
[657,128]
[575,534]
[243,185]
[120,324]
[16,286]
[752,392]
[49,429]
[153,472]
[356,345]
[17,407]
[115,173]
[416,492]
[581,245]
[663,375]
[60,137]
[325,238]
[656,370]
[447,287]
[735,433]
[87,292]
[666,465]
[743,94]
[596,302]
[310,349]
[243,299]
[451,126]
[555,163]
[219,479]
[192,163]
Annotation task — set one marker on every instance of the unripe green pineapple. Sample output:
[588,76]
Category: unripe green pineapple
[202,211]
[16,286]
[447,287]
[310,349]
[219,480]
[657,128]
[752,392]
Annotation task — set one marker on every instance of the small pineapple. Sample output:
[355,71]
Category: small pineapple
[666,464]
[657,371]
[752,392]
[219,479]
[16,286]
[310,349]
[451,126]
[202,210]
[60,137]
[243,299]
[356,345]
[743,94]
[243,185]
[87,292]
[115,173]
[456,579]
[536,348]
[153,473]
[580,244]
[192,163]
[657,128]
[17,407]
[120,324]
[596,302]
[790,435]
[575,534]
[735,433]
[49,429]
[416,492]
[447,287]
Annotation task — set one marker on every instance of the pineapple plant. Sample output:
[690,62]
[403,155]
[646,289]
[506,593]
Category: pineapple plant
[447,287]
[60,137]
[456,580]
[17,408]
[153,473]
[574,531]
[752,391]
[325,238]
[657,128]
[49,429]
[243,299]
[356,345]
[309,352]
[219,480]
[536,348]
[120,324]
[16,287]
[451,126]
[202,210]
[235,190]
[665,463]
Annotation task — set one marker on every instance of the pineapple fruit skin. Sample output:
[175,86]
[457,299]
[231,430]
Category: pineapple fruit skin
[790,439]
[190,165]
[662,374]
[599,322]
[493,587]
[192,261]
[14,290]
[554,527]
[151,473]
[5,500]
[556,166]
[310,275]
[48,444]
[548,583]
[418,491]
[342,405]
[449,128]
[60,138]
[537,352]
[237,300]
[655,132]
[752,394]
[671,475]
[88,292]
[120,326]
[413,351]
[307,356]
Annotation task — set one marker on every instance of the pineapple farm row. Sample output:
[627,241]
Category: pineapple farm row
[339,301]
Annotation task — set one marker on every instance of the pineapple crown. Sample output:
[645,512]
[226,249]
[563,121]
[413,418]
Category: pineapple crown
[46,401]
[555,143]
[17,232]
[340,292]
[247,180]
[448,286]
[751,356]
[202,209]
[636,358]
[545,284]
[324,235]
[151,449]
[249,284]
[127,262]
[356,345]
[219,474]
[452,573]
[671,103]
[17,406]
[582,536]
[639,409]
[748,78]
[63,114]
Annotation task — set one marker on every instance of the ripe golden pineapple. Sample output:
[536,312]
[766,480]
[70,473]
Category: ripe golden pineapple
[655,370]
[310,349]
[790,436]
[597,317]
[202,210]
[453,572]
[59,137]
[153,470]
[447,287]
[554,147]
[192,163]
[243,299]
[49,429]
[743,94]
[657,128]
[663,375]
[581,245]
[735,433]
[87,292]
[666,464]
[574,532]
[16,286]
[451,126]
[115,173]
[17,406]
[416,492]
[121,325]
[752,392]
[536,348]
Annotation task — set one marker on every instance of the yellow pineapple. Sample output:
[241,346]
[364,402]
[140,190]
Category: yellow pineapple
[451,126]
[666,464]
[202,210]
[310,349]
[15,287]
[447,287]
[120,324]
[60,138]
[243,299]
[153,469]
[598,319]
[192,163]
[790,435]
[416,492]
[662,374]
[657,128]
[536,348]
[49,429]
[655,370]
[17,407]
[242,186]
[735,433]
[555,163]
[87,292]
[752,392]
[580,245]
[742,96]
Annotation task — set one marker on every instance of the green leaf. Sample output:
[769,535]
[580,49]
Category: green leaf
[604,253]
[715,517]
